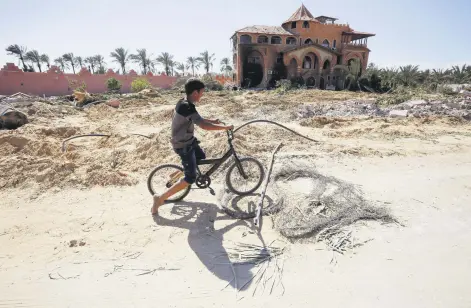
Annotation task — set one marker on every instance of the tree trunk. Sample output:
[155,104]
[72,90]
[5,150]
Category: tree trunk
[193,69]
[73,67]
[39,67]
[24,65]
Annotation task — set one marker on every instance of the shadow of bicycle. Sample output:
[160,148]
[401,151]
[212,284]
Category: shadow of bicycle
[208,242]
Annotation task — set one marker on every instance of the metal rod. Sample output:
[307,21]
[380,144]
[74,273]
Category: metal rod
[260,203]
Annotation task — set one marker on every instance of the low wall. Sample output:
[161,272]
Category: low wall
[54,82]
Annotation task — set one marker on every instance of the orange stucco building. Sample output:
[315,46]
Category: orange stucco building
[315,49]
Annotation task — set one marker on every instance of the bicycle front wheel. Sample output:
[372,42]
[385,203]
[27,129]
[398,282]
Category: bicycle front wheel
[165,176]
[254,172]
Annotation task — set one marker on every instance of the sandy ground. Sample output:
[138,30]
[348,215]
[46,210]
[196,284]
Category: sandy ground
[123,257]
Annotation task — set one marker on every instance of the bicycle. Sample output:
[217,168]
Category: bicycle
[166,175]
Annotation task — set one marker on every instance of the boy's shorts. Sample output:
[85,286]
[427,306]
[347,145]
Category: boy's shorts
[189,155]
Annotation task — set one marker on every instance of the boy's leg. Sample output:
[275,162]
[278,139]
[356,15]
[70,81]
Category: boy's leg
[188,158]
[199,153]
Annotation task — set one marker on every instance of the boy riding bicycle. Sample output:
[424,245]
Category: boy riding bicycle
[183,140]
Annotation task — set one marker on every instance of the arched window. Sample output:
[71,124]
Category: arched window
[276,40]
[262,39]
[334,44]
[326,65]
[307,63]
[245,39]
[305,24]
[308,42]
[290,41]
[326,43]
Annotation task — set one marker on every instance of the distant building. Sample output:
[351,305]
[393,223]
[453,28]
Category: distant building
[314,49]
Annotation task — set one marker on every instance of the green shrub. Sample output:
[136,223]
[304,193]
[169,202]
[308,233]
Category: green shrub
[140,84]
[113,85]
[283,86]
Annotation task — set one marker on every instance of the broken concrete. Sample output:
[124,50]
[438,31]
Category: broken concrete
[398,113]
[414,103]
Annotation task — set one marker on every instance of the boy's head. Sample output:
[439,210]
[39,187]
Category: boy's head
[194,89]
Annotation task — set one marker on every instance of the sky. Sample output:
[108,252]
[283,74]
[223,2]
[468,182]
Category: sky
[432,34]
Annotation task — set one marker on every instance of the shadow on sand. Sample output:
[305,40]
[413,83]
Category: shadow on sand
[207,243]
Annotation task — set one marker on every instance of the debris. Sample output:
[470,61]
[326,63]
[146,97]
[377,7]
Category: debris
[149,92]
[10,118]
[398,113]
[113,103]
[412,104]
[328,204]
[73,243]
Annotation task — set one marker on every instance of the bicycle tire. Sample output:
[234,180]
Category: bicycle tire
[231,169]
[156,169]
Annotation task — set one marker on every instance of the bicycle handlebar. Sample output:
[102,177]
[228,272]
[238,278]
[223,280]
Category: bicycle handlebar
[230,132]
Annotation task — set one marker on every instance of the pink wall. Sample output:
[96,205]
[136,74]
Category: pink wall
[54,82]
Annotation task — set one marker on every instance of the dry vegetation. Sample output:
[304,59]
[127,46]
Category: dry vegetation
[31,156]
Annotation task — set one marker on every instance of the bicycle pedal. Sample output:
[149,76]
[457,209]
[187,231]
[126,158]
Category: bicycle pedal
[211,191]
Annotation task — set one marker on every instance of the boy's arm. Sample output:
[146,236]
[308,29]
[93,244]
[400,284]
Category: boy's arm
[213,121]
[210,126]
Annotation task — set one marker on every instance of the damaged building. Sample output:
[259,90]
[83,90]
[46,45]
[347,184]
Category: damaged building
[315,49]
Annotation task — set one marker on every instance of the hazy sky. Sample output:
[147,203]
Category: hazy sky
[429,33]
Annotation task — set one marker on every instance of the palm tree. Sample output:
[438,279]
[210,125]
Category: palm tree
[69,57]
[91,64]
[409,75]
[193,63]
[61,63]
[79,61]
[120,56]
[207,60]
[142,59]
[225,66]
[18,51]
[182,67]
[461,74]
[389,78]
[166,60]
[45,59]
[34,57]
[100,61]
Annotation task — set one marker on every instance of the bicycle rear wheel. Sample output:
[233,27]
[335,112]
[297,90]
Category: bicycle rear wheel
[254,171]
[165,176]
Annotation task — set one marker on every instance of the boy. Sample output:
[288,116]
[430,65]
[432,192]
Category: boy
[183,140]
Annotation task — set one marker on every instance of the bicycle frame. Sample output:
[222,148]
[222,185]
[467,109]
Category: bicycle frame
[217,162]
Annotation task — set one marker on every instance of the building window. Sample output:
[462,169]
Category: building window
[262,39]
[307,63]
[339,60]
[308,42]
[279,58]
[334,44]
[326,43]
[305,24]
[293,25]
[276,40]
[245,39]
[254,59]
[290,41]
